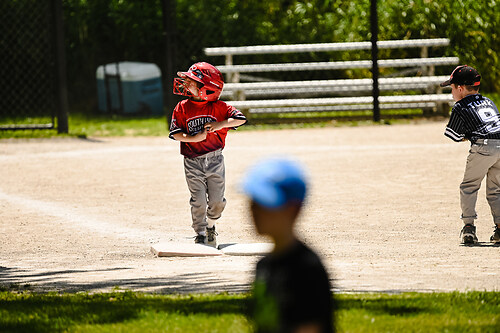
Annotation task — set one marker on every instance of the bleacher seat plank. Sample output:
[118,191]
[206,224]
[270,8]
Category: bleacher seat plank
[324,47]
[252,89]
[339,100]
[334,65]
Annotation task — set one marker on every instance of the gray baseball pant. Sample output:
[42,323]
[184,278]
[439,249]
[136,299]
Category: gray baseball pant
[483,160]
[205,177]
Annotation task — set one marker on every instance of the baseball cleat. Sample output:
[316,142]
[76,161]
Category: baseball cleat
[211,236]
[495,238]
[200,239]
[468,234]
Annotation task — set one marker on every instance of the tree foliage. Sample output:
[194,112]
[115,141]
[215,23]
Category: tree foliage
[103,31]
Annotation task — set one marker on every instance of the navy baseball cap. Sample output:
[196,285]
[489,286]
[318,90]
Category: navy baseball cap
[275,182]
[463,75]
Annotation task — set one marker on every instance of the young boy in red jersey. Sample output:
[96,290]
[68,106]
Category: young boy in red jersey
[201,123]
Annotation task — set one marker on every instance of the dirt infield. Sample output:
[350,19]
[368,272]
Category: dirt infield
[383,211]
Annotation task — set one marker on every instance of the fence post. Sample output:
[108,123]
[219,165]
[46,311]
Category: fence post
[169,34]
[374,31]
[234,77]
[427,70]
[61,86]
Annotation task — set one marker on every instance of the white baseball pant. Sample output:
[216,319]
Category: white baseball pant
[483,160]
[205,177]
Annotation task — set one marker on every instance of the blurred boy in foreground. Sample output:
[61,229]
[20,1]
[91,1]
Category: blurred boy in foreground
[292,292]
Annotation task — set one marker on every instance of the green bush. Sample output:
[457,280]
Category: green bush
[104,31]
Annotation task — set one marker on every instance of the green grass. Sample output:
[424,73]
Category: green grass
[102,125]
[121,312]
[420,312]
[141,312]
[99,125]
[113,125]
[108,126]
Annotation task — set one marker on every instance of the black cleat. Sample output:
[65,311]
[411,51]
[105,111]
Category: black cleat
[468,234]
[200,239]
[495,238]
[211,236]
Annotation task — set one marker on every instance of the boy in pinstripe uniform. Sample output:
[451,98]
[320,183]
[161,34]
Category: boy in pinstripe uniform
[475,118]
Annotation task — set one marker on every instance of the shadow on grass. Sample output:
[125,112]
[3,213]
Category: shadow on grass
[52,313]
[474,311]
[385,306]
[35,312]
[413,304]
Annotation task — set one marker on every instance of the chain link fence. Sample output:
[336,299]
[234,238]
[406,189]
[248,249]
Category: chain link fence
[28,73]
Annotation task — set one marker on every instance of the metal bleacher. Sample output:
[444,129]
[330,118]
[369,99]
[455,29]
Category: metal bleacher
[267,96]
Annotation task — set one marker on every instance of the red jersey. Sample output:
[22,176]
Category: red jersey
[191,116]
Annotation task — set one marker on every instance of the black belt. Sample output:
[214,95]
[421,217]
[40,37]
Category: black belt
[486,142]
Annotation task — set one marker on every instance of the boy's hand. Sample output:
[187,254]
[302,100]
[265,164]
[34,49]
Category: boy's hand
[201,136]
[184,137]
[213,126]
[217,125]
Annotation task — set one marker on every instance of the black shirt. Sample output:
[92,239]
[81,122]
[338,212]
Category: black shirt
[290,289]
[473,117]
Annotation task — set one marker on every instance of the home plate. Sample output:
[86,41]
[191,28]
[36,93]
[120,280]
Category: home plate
[172,249]
[249,249]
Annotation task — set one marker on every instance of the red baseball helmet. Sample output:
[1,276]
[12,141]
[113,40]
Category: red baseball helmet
[206,74]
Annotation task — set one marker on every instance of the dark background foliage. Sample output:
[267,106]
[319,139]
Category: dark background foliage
[104,31]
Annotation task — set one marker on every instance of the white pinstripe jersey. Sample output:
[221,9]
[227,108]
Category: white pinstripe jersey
[473,117]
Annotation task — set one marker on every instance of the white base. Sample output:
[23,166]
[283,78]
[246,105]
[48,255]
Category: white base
[246,249]
[171,249]
[175,249]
